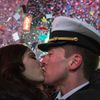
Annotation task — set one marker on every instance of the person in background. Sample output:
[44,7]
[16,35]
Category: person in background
[73,55]
[21,76]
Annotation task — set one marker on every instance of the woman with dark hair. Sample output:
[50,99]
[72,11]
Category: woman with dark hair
[20,74]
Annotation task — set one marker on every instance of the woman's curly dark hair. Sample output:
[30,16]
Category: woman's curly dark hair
[13,84]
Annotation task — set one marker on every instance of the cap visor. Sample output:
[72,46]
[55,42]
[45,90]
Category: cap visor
[46,46]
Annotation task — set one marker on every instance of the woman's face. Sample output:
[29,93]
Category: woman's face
[33,70]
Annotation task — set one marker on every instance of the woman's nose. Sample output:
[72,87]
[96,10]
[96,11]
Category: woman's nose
[42,66]
[44,60]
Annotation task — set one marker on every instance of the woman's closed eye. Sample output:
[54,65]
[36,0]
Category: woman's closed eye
[32,55]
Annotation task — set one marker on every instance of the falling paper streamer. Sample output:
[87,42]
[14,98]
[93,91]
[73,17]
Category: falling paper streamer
[15,36]
[27,23]
[44,20]
[48,16]
[17,16]
[42,37]
[2,27]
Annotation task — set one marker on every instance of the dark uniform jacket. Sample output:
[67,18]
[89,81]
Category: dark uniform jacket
[89,92]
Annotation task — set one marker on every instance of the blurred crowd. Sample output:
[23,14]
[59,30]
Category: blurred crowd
[12,13]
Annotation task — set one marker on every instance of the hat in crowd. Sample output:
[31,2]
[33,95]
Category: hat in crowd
[71,31]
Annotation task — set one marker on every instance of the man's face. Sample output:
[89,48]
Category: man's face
[54,65]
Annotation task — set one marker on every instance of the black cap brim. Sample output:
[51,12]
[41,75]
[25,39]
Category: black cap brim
[46,46]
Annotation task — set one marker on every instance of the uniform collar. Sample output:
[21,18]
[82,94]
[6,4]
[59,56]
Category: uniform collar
[64,97]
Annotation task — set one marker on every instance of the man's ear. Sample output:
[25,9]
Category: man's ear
[75,62]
